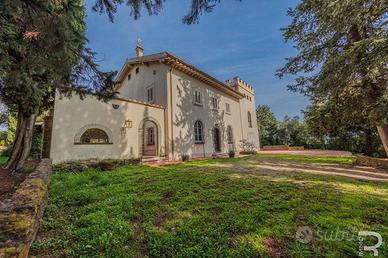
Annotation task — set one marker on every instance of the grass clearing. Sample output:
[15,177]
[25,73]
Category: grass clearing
[208,208]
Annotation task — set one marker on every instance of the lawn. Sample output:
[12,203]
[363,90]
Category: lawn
[212,208]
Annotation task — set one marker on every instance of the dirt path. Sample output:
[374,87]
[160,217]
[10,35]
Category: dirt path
[357,172]
[323,153]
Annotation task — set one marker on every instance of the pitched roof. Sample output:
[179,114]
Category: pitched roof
[179,64]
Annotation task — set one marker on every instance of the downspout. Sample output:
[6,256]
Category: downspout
[171,114]
[242,128]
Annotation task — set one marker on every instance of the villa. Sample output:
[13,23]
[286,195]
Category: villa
[165,108]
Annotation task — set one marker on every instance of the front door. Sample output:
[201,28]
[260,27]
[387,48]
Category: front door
[150,144]
[217,139]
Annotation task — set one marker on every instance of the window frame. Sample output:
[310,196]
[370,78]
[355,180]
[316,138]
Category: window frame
[198,93]
[227,108]
[199,137]
[249,119]
[82,142]
[229,134]
[215,103]
[150,136]
[152,90]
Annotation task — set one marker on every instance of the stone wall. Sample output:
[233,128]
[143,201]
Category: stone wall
[20,214]
[372,162]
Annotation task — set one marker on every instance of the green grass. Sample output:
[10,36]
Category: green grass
[210,208]
[312,159]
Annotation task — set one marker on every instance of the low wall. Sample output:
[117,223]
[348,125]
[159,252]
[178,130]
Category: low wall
[282,147]
[20,214]
[372,162]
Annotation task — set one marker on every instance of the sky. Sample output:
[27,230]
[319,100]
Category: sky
[237,38]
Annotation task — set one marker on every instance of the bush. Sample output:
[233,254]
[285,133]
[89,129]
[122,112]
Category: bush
[108,164]
[248,147]
[185,157]
[232,153]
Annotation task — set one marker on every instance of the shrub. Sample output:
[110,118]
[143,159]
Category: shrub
[232,153]
[71,166]
[185,157]
[248,147]
[108,164]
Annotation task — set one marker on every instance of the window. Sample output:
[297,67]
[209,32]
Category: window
[249,119]
[150,94]
[150,136]
[229,133]
[198,132]
[137,70]
[197,97]
[228,108]
[94,136]
[214,103]
[129,77]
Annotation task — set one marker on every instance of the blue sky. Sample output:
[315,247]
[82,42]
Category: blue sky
[237,38]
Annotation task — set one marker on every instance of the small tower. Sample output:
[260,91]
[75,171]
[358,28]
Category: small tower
[241,86]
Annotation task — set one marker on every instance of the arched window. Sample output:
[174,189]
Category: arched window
[94,136]
[249,119]
[198,132]
[229,133]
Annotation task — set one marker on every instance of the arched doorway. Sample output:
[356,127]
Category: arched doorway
[150,139]
[217,139]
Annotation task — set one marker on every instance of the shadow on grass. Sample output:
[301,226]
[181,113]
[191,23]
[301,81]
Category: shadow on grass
[194,209]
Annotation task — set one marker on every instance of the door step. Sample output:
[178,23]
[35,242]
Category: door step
[152,159]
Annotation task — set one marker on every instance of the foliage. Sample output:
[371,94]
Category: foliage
[248,146]
[153,7]
[267,125]
[3,115]
[208,208]
[11,128]
[342,60]
[36,148]
[42,51]
[319,132]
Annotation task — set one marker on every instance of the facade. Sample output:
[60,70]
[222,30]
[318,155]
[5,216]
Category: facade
[165,108]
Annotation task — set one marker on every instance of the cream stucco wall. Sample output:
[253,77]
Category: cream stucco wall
[185,113]
[152,75]
[73,114]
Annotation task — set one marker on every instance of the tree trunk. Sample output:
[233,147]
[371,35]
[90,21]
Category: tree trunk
[383,132]
[23,141]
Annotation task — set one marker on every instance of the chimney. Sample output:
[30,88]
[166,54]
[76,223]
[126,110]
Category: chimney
[139,49]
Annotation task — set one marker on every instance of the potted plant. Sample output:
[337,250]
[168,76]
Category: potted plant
[232,153]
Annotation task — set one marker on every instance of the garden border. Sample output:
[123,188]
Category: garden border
[20,214]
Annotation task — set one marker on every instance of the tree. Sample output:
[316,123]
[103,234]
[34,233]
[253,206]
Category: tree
[354,133]
[153,7]
[267,125]
[342,59]
[41,51]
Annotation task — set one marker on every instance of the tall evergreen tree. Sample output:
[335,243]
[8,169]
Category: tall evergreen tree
[267,125]
[342,59]
[42,48]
